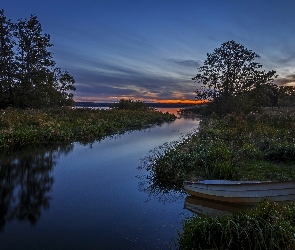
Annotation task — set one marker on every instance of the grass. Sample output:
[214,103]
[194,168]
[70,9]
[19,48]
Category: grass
[257,146]
[267,226]
[31,127]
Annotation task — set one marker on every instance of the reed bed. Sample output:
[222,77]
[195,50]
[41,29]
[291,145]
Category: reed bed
[19,128]
[268,226]
[257,146]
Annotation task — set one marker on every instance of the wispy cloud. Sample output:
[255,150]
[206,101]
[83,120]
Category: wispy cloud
[153,49]
[285,80]
[187,63]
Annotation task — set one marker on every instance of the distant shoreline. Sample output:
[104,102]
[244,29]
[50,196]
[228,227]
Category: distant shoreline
[149,104]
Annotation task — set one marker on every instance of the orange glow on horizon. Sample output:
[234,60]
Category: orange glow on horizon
[169,101]
[182,101]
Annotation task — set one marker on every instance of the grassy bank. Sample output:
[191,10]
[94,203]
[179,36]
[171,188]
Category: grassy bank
[257,146]
[19,128]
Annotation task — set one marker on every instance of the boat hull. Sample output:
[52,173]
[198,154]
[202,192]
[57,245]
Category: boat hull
[242,192]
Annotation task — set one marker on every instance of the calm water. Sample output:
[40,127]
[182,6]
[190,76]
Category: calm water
[89,196]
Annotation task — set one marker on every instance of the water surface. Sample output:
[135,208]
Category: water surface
[89,196]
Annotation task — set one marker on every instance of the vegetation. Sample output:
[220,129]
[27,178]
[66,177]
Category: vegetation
[233,82]
[19,128]
[28,76]
[268,226]
[257,146]
[130,105]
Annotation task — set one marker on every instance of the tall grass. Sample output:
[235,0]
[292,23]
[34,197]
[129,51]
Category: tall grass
[258,146]
[19,128]
[268,226]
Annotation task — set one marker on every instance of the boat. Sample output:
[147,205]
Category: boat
[242,192]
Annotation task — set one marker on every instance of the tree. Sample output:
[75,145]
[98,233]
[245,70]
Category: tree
[130,104]
[286,96]
[60,94]
[33,60]
[29,77]
[7,65]
[231,72]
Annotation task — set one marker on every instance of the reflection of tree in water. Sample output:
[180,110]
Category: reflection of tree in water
[166,192]
[25,181]
[160,192]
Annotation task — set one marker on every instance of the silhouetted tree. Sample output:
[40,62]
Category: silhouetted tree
[29,77]
[7,64]
[230,74]
[33,61]
[130,104]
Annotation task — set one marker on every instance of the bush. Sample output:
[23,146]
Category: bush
[130,105]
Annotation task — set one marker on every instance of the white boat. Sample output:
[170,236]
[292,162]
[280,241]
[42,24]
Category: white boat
[242,192]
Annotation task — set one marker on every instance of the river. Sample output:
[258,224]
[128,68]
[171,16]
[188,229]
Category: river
[89,196]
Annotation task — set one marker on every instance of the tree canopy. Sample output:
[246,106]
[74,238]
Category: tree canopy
[233,81]
[28,76]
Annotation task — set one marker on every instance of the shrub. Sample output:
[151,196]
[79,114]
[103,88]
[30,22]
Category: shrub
[130,105]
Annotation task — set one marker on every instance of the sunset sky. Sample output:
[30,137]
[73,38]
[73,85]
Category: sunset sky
[150,49]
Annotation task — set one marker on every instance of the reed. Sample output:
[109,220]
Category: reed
[19,128]
[267,226]
[257,146]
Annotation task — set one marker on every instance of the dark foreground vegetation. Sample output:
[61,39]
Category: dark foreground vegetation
[268,226]
[31,127]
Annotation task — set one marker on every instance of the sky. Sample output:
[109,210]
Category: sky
[150,49]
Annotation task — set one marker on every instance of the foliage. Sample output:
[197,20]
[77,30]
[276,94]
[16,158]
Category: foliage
[286,96]
[130,105]
[19,128]
[28,76]
[268,226]
[257,146]
[233,81]
[7,66]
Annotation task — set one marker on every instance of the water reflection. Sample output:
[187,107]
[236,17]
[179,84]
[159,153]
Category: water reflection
[25,183]
[161,192]
[95,197]
[177,112]
[203,207]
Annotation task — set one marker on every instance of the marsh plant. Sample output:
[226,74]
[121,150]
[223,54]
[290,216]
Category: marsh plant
[19,128]
[257,146]
[267,226]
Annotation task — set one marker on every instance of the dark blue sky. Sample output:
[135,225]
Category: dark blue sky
[150,50]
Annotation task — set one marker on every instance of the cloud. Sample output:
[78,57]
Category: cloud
[285,80]
[97,80]
[187,63]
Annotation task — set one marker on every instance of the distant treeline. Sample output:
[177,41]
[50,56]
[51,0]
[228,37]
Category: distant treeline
[149,104]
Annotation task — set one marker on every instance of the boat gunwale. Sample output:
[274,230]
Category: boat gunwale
[235,183]
[218,191]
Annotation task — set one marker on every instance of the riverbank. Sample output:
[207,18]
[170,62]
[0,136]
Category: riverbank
[257,146]
[31,127]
